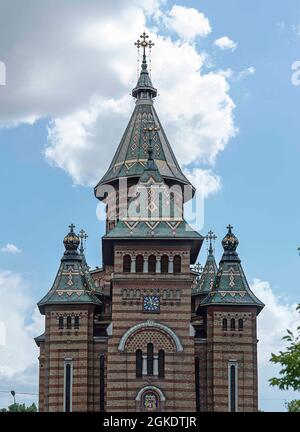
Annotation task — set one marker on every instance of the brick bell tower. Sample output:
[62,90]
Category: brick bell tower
[150,359]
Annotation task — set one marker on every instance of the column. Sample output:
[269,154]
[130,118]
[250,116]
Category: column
[144,364]
[132,265]
[171,265]
[145,268]
[158,264]
[155,365]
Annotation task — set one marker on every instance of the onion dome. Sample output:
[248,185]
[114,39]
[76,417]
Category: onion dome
[71,241]
[230,242]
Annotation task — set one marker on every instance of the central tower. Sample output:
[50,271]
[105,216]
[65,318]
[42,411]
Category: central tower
[150,247]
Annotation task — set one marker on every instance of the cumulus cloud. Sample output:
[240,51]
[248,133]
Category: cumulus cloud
[77,69]
[225,43]
[19,351]
[205,181]
[11,248]
[188,23]
[19,324]
[277,316]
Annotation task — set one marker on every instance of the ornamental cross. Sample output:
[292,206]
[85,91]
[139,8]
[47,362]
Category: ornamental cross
[72,226]
[144,43]
[83,236]
[211,237]
[230,228]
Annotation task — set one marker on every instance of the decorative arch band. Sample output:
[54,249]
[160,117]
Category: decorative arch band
[150,325]
[150,388]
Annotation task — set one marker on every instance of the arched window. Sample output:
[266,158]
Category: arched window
[127,264]
[241,324]
[172,205]
[61,323]
[150,359]
[101,378]
[233,388]
[197,383]
[139,264]
[177,264]
[68,369]
[76,322]
[139,363]
[164,264]
[161,363]
[224,324]
[232,324]
[69,322]
[152,264]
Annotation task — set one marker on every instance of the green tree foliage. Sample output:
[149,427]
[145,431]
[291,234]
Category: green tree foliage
[290,362]
[20,408]
[293,406]
[289,375]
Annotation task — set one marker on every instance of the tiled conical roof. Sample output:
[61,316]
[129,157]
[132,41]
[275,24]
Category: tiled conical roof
[73,283]
[206,281]
[131,156]
[230,285]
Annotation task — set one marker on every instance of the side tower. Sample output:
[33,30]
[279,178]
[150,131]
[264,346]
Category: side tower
[150,360]
[66,348]
[230,311]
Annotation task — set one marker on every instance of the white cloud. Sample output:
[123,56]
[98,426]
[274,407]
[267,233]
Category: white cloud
[226,43]
[205,181]
[19,351]
[188,23]
[83,87]
[276,311]
[11,248]
[277,316]
[246,72]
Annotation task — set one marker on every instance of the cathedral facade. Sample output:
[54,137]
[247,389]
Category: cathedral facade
[147,331]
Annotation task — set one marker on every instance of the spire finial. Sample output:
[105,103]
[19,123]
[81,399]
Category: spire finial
[230,228]
[144,87]
[72,226]
[144,43]
[83,236]
[151,130]
[211,238]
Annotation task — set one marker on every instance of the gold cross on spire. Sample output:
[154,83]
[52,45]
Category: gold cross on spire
[144,43]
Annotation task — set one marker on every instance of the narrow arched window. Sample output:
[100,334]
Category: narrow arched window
[69,322]
[68,370]
[61,323]
[127,264]
[150,359]
[160,205]
[177,264]
[139,363]
[152,264]
[241,324]
[101,378]
[161,363]
[232,324]
[233,387]
[139,264]
[76,322]
[164,264]
[197,383]
[172,205]
[224,324]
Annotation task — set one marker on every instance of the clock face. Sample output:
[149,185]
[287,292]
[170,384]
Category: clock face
[151,304]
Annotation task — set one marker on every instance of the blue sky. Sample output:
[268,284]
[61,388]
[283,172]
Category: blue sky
[257,168]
